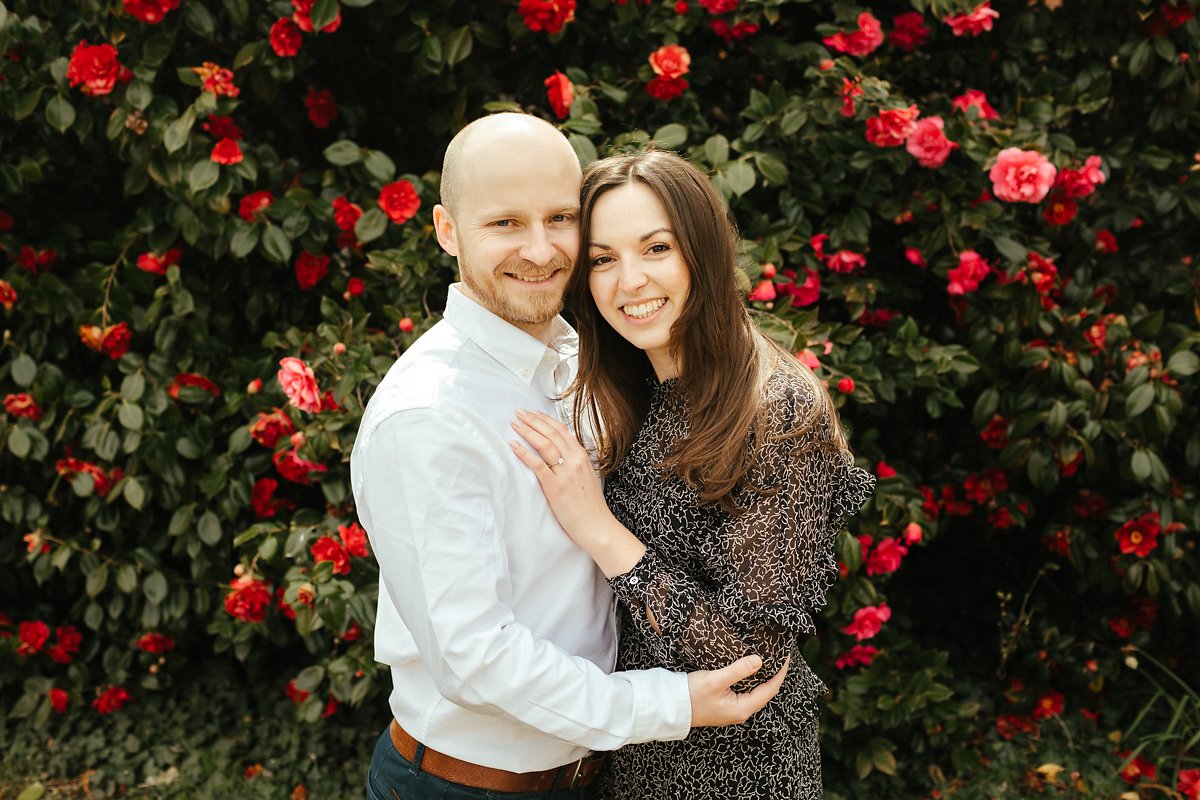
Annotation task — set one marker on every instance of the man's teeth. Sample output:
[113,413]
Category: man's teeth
[644,309]
[533,278]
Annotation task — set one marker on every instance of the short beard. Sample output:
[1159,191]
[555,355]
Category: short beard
[535,313]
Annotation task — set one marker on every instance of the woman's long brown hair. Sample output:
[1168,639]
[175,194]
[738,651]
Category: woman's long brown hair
[724,359]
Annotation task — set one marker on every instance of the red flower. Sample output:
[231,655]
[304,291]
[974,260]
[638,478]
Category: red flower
[1059,542]
[868,621]
[329,549]
[151,12]
[216,79]
[22,405]
[971,270]
[885,558]
[995,434]
[1176,16]
[345,213]
[860,42]
[355,287]
[846,261]
[102,482]
[973,98]
[322,110]
[95,66]
[1010,725]
[1139,536]
[817,242]
[802,294]
[286,38]
[268,429]
[294,468]
[221,127]
[156,264]
[294,694]
[155,643]
[399,201]
[718,6]
[909,32]
[8,295]
[253,206]
[1001,519]
[913,533]
[1137,769]
[846,386]
[353,632]
[1122,626]
[262,498]
[1021,176]
[975,22]
[331,707]
[68,641]
[670,61]
[227,151]
[355,539]
[33,636]
[892,127]
[982,488]
[1060,209]
[547,15]
[739,31]
[928,144]
[913,256]
[299,384]
[59,700]
[302,16]
[666,89]
[1105,241]
[249,599]
[111,699]
[560,93]
[884,470]
[6,221]
[310,269]
[1189,783]
[1048,705]
[36,261]
[860,654]
[1082,182]
[851,88]
[192,379]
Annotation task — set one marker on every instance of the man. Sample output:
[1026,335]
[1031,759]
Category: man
[498,630]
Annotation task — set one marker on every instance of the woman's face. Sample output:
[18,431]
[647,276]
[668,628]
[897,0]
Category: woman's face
[638,277]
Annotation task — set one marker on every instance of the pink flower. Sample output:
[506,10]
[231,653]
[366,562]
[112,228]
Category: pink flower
[886,557]
[860,654]
[802,294]
[892,126]
[913,534]
[763,292]
[299,384]
[928,144]
[868,621]
[909,32]
[863,41]
[970,272]
[973,98]
[1022,176]
[975,22]
[913,256]
[818,244]
[851,88]
[846,261]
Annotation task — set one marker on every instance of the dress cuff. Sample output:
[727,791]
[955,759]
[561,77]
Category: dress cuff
[632,587]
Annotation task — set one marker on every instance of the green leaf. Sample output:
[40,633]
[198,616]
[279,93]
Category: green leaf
[139,94]
[771,168]
[716,150]
[1183,364]
[1139,400]
[60,113]
[209,528]
[131,416]
[379,165]
[24,370]
[343,153]
[740,176]
[35,790]
[323,13]
[310,678]
[19,442]
[134,494]
[188,449]
[431,51]
[126,578]
[181,520]
[371,225]
[176,135]
[97,579]
[203,174]
[276,245]
[585,151]
[457,45]
[133,386]
[244,240]
[670,137]
[1011,248]
[1140,57]
[196,17]
[155,588]
[1140,465]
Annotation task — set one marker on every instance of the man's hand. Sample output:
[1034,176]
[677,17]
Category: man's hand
[714,703]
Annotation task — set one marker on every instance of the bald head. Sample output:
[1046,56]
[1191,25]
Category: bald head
[498,136]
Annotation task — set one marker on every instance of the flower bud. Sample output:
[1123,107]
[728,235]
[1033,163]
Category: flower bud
[298,439]
[407,325]
[254,387]
[339,349]
[846,385]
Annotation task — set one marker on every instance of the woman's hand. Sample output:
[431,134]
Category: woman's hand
[573,490]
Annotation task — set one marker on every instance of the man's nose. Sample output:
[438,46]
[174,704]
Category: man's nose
[537,247]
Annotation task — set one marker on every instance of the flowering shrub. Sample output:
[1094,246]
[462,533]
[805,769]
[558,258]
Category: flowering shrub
[975,223]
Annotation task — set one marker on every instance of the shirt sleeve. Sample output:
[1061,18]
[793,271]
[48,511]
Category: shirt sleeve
[772,564]
[435,524]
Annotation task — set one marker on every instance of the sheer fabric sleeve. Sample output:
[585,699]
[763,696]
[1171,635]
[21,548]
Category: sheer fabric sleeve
[767,568]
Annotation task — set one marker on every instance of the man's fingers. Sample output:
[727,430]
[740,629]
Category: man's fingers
[760,695]
[744,667]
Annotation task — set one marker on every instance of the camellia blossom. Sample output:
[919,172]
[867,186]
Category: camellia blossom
[345,213]
[671,61]
[399,200]
[268,429]
[851,89]
[8,295]
[322,108]
[738,32]
[1106,242]
[913,256]
[1189,783]
[150,12]
[329,549]
[971,270]
[248,599]
[227,152]
[1049,704]
[36,261]
[973,98]
[909,31]
[803,293]
[21,405]
[547,15]
[286,38]
[1060,209]
[111,699]
[862,41]
[252,206]
[560,93]
[296,469]
[220,127]
[1022,176]
[355,539]
[886,556]
[216,80]
[1083,181]
[846,386]
[1139,536]
[94,67]
[1140,767]
[846,261]
[262,498]
[718,6]
[302,16]
[868,621]
[59,701]
[102,482]
[67,643]
[155,643]
[33,636]
[157,264]
[194,380]
[299,384]
[859,654]
[928,144]
[976,21]
[310,269]
[665,89]
[891,127]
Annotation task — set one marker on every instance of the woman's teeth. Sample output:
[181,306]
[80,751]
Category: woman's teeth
[644,309]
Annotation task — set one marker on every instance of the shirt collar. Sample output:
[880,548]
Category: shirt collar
[512,347]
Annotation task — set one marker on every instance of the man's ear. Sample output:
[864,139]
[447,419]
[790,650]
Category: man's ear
[443,226]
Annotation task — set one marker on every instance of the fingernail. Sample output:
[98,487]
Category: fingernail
[521,412]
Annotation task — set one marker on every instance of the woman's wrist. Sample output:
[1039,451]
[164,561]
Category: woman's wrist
[611,545]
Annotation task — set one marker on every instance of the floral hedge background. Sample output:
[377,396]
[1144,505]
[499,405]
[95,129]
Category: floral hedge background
[977,221]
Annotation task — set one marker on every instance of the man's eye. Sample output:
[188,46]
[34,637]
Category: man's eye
[503,223]
[561,218]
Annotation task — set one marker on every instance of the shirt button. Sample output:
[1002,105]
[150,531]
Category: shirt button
[635,580]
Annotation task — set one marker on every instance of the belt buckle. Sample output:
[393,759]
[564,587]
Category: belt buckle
[578,774]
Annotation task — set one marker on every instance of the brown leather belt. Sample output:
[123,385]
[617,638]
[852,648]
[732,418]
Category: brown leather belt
[569,776]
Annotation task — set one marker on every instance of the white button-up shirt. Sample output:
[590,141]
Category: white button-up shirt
[498,630]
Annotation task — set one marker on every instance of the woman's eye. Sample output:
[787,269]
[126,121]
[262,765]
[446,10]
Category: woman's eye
[601,261]
[659,248]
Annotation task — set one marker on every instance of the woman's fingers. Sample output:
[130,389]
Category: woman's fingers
[553,431]
[549,451]
[532,460]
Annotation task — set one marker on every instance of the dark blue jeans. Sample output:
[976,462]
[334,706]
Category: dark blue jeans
[393,777]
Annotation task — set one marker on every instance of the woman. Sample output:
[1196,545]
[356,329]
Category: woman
[727,476]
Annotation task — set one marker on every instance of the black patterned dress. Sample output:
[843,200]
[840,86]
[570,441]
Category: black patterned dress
[721,587]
